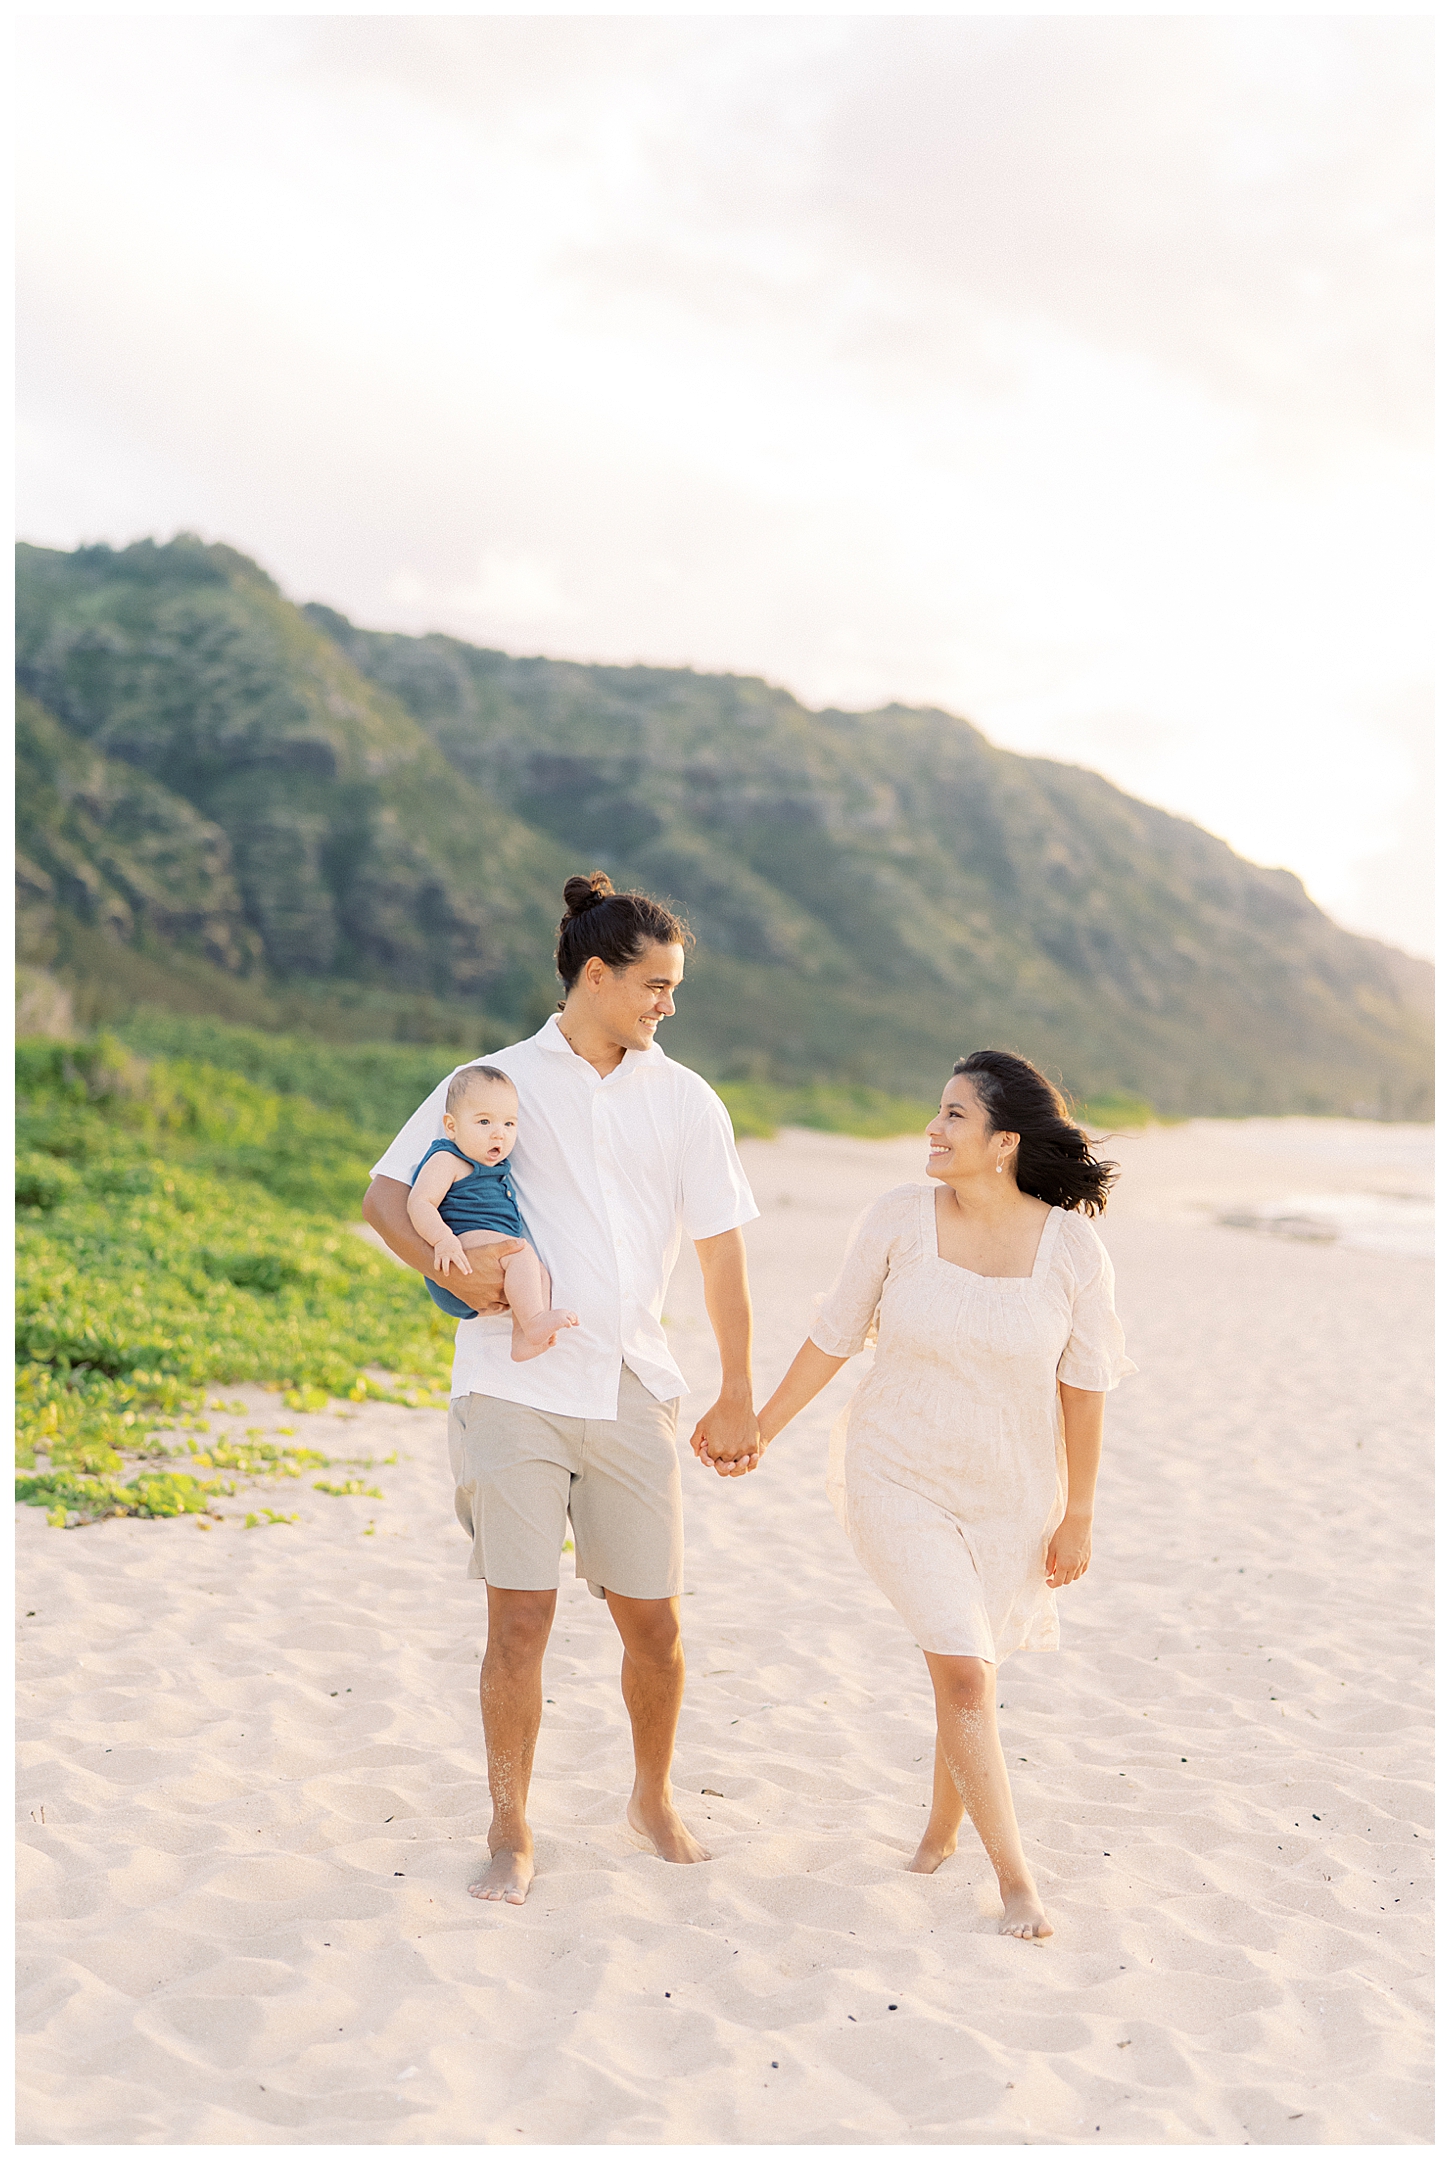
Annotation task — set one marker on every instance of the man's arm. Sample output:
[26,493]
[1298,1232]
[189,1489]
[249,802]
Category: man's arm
[385,1209]
[727,1432]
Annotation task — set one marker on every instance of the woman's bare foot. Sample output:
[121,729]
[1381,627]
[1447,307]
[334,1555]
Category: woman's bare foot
[507,1877]
[658,1825]
[533,1337]
[1022,1914]
[930,1853]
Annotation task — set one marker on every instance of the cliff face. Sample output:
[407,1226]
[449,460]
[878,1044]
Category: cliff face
[873,893]
[351,845]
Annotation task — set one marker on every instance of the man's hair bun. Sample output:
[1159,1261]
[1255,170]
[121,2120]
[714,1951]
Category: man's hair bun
[583,893]
[615,927]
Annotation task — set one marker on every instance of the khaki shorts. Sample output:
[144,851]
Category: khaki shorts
[520,1475]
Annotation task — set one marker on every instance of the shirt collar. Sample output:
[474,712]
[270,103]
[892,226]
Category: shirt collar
[551,1037]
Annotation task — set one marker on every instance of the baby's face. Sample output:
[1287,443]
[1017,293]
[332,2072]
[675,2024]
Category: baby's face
[486,1123]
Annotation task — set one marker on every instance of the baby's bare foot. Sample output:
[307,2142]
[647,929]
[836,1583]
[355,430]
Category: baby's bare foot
[1022,1914]
[930,1854]
[506,1879]
[533,1337]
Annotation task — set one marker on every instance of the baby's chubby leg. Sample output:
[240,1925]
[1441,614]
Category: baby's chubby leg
[526,1285]
[527,1288]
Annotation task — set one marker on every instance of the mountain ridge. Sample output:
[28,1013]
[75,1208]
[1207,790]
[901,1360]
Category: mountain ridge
[872,892]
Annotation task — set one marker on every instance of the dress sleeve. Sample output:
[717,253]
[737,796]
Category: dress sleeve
[846,1320]
[1095,1357]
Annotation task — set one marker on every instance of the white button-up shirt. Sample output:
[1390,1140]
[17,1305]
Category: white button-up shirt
[610,1173]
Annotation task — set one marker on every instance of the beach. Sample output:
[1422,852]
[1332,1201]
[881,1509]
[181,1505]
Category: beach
[252,1782]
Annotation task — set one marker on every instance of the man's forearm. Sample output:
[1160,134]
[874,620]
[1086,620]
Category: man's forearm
[727,1301]
[385,1209]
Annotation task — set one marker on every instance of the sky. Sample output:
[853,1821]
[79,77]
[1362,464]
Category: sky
[1068,373]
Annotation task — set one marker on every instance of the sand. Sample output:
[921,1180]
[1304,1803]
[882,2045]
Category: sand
[252,1793]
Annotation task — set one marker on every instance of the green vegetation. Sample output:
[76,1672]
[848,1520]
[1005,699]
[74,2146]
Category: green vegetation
[71,1497]
[758,1110]
[300,870]
[182,1223]
[1124,1113]
[373,1085]
[234,807]
[179,1226]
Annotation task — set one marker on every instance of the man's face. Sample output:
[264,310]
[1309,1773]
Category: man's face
[630,1005]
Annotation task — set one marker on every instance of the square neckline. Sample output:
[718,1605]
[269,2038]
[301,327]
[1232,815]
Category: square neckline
[934,1251]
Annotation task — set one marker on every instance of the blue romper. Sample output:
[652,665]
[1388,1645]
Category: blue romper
[484,1200]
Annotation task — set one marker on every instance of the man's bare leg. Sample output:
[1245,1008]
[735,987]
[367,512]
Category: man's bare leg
[966,1723]
[653,1682]
[939,1839]
[511,1697]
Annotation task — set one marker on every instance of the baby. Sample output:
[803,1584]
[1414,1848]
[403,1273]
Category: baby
[463,1196]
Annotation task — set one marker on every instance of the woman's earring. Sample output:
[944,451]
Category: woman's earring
[1001,1166]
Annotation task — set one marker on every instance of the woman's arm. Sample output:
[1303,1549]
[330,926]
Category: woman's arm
[1071,1545]
[810,1369]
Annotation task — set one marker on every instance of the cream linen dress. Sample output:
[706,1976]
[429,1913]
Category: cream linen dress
[948,1471]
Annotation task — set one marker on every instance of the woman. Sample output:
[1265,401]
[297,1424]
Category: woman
[970,1453]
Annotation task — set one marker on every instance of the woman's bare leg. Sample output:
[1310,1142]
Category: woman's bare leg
[966,1723]
[939,1839]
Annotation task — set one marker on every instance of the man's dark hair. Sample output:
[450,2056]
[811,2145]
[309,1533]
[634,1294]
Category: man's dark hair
[613,927]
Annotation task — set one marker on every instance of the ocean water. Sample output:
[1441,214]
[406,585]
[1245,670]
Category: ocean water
[1368,1221]
[1341,1181]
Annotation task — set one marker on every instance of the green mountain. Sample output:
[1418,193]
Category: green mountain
[237,805]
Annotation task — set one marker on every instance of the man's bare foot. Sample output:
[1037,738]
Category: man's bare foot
[506,1879]
[1022,1914]
[533,1337]
[930,1854]
[659,1826]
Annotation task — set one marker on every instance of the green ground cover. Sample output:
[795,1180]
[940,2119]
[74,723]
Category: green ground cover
[179,1226]
[182,1202]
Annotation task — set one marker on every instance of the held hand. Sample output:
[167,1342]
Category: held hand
[727,1439]
[449,1252]
[732,1466]
[1069,1550]
[482,1287]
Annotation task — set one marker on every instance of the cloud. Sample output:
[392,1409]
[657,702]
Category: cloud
[1044,369]
[1246,202]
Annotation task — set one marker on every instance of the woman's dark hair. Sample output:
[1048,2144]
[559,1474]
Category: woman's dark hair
[613,927]
[1054,1161]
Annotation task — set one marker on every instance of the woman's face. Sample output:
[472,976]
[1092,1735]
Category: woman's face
[961,1143]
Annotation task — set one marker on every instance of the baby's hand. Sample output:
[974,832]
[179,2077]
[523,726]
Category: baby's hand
[448,1250]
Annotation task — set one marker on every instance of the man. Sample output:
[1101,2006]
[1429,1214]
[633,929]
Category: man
[619,1152]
